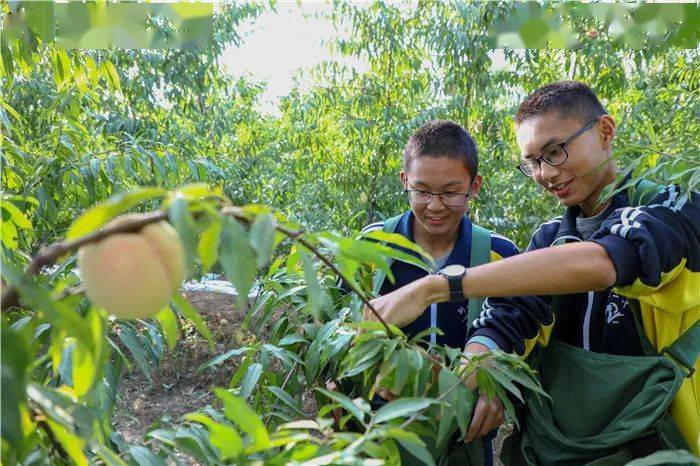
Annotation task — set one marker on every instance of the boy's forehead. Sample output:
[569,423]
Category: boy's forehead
[437,183]
[438,176]
[538,132]
[438,171]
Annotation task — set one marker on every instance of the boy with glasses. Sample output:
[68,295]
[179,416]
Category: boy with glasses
[440,176]
[608,317]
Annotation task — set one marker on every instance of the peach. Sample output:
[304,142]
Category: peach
[133,275]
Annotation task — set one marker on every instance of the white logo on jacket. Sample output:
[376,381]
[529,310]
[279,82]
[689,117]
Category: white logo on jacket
[615,310]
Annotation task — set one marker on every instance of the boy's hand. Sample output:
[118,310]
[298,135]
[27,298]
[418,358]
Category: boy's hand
[406,304]
[488,415]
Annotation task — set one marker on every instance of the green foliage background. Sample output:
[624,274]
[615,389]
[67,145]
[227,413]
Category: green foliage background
[81,126]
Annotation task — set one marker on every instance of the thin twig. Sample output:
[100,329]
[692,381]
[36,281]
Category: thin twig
[415,415]
[284,384]
[49,255]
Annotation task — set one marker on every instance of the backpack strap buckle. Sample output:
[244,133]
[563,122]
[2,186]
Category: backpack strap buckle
[678,360]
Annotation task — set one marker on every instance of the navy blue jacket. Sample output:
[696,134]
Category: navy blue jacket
[656,252]
[451,318]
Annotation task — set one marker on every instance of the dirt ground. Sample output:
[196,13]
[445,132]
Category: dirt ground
[176,388]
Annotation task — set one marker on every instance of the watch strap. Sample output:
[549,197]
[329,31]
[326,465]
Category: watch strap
[456,293]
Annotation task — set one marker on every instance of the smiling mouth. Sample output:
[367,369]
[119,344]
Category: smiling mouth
[561,186]
[436,219]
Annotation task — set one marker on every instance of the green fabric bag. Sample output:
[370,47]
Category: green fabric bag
[601,403]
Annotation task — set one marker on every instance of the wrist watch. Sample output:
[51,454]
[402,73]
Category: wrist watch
[454,274]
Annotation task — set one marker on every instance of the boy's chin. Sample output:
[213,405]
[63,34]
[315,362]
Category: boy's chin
[571,200]
[439,229]
[568,202]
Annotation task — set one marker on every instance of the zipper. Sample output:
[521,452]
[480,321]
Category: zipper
[433,322]
[586,328]
[587,323]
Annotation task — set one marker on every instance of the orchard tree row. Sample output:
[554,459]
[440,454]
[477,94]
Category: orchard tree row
[274,202]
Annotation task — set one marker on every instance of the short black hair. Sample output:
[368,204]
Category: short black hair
[443,138]
[569,98]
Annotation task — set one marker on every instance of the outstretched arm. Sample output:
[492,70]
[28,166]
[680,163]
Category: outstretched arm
[569,268]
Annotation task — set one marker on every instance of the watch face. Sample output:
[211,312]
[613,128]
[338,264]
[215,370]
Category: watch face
[454,270]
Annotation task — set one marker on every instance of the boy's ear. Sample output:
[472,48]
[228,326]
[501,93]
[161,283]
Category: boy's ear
[476,185]
[607,131]
[403,177]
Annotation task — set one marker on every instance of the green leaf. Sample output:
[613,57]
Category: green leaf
[401,407]
[418,451]
[288,401]
[58,313]
[313,287]
[402,370]
[449,386]
[85,370]
[133,343]
[40,18]
[223,437]
[194,440]
[222,357]
[61,67]
[398,240]
[287,357]
[242,369]
[168,325]
[250,380]
[504,381]
[464,408]
[208,246]
[181,219]
[16,357]
[262,237]
[100,214]
[291,339]
[193,192]
[9,235]
[145,457]
[357,411]
[110,72]
[363,356]
[236,410]
[237,258]
[109,457]
[185,309]
[428,331]
[62,409]
[71,443]
[16,215]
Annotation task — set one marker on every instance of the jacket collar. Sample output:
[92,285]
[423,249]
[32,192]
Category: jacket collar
[567,227]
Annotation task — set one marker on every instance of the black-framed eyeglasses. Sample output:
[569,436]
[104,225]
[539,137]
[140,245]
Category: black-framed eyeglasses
[553,155]
[449,199]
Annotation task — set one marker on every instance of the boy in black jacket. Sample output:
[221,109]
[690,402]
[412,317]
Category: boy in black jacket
[609,316]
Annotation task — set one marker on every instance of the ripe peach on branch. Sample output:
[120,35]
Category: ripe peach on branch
[133,274]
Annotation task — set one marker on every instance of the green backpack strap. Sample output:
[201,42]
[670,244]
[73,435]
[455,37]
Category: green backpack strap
[480,254]
[644,192]
[378,280]
[686,349]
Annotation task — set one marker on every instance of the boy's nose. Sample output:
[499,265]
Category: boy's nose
[435,203]
[547,172]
